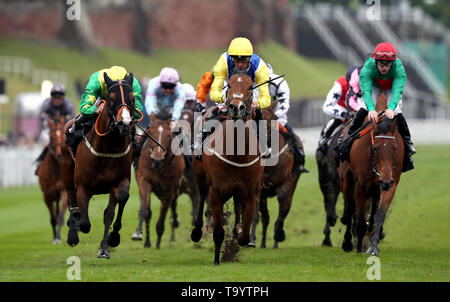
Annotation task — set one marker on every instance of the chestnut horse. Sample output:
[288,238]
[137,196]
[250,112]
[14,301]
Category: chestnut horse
[160,172]
[50,180]
[222,176]
[278,180]
[102,165]
[370,179]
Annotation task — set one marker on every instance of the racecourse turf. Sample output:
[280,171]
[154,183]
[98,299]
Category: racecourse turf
[416,247]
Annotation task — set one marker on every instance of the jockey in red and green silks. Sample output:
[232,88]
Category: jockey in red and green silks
[382,72]
[96,88]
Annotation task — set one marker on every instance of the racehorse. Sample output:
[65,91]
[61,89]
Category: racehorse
[50,180]
[188,183]
[277,180]
[327,163]
[237,175]
[160,172]
[371,179]
[102,165]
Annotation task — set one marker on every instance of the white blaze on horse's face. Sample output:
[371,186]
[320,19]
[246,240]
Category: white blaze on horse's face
[126,117]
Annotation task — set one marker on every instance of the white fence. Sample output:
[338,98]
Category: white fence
[17,167]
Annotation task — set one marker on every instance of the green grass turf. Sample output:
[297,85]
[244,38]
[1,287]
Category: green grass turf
[416,247]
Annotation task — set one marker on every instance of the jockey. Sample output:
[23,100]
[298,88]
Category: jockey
[280,93]
[336,106]
[238,58]
[203,88]
[94,91]
[165,98]
[54,107]
[165,93]
[382,72]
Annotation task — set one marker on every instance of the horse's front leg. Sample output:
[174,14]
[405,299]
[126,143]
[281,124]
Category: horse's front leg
[145,213]
[174,220]
[61,213]
[361,208]
[165,203]
[284,205]
[108,216]
[196,233]
[385,202]
[218,220]
[67,173]
[121,194]
[83,197]
[248,208]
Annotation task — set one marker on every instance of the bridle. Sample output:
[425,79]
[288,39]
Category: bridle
[113,125]
[374,149]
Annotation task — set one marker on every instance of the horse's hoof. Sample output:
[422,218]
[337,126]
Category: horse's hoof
[147,244]
[327,242]
[114,239]
[347,246]
[279,236]
[73,239]
[137,236]
[251,244]
[56,241]
[196,234]
[243,242]
[372,251]
[103,253]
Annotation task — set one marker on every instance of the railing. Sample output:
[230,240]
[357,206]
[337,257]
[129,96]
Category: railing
[16,166]
[343,53]
[24,68]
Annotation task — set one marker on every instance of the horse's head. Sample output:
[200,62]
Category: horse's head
[161,131]
[385,152]
[120,103]
[239,96]
[56,128]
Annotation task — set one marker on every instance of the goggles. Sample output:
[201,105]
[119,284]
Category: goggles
[167,85]
[386,55]
[57,94]
[237,59]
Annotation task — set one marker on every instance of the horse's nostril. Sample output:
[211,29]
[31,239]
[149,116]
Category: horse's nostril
[242,107]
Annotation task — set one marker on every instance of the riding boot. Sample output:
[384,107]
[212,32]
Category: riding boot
[266,151]
[326,133]
[344,150]
[74,135]
[404,132]
[40,159]
[297,150]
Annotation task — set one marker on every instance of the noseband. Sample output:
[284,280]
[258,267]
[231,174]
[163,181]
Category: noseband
[373,149]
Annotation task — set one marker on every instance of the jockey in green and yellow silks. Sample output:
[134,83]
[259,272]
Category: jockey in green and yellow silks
[96,88]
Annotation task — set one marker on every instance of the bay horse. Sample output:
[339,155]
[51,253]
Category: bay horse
[277,180]
[102,165]
[221,175]
[371,179]
[160,172]
[50,180]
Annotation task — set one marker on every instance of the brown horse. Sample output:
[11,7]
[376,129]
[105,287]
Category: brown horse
[370,180]
[50,180]
[278,180]
[102,165]
[159,172]
[222,175]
